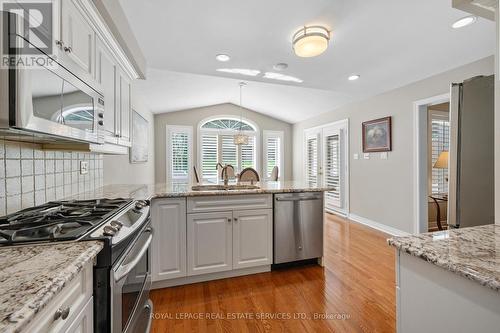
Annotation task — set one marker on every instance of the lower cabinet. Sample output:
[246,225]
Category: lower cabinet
[84,322]
[252,238]
[189,242]
[169,238]
[209,242]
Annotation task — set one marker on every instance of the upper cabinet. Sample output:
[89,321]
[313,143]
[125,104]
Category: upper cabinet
[77,41]
[124,107]
[106,73]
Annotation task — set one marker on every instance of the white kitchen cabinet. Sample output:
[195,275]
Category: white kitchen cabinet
[252,238]
[84,321]
[124,107]
[169,240]
[106,70]
[77,41]
[64,311]
[209,242]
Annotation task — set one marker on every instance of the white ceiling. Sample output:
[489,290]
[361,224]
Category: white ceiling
[390,43]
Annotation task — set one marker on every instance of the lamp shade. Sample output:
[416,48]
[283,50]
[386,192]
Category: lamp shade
[311,41]
[442,161]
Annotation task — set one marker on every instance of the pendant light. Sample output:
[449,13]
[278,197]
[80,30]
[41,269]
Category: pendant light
[241,138]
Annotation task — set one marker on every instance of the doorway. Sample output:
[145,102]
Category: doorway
[431,145]
[327,163]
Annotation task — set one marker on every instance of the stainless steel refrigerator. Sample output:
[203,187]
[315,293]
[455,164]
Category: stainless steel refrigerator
[471,156]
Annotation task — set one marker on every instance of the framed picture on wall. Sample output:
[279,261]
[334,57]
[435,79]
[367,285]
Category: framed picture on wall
[140,144]
[377,135]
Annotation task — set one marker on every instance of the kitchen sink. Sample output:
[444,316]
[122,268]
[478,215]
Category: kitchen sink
[234,187]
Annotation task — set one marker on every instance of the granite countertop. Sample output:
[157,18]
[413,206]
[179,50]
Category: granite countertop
[32,275]
[184,190]
[473,253]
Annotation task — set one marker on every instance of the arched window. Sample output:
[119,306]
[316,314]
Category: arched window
[216,145]
[228,124]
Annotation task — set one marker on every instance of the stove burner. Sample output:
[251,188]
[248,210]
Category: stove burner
[57,220]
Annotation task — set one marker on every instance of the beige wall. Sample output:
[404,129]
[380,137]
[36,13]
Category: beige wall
[192,117]
[118,169]
[382,190]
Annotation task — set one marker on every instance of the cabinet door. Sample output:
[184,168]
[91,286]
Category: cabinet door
[252,238]
[123,96]
[106,80]
[209,242]
[78,39]
[84,322]
[169,240]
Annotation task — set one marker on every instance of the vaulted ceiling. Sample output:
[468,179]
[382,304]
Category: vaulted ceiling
[390,43]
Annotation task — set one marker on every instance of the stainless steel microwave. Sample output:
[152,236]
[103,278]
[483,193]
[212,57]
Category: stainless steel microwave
[45,102]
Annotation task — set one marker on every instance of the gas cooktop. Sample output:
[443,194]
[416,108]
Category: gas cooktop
[58,220]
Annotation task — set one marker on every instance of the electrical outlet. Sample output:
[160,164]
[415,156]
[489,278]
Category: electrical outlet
[366,156]
[84,167]
[383,156]
[356,156]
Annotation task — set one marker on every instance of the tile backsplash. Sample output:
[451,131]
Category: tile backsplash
[30,176]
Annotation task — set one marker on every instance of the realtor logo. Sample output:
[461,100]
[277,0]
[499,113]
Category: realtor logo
[34,23]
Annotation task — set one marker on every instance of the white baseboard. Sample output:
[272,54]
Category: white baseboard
[376,225]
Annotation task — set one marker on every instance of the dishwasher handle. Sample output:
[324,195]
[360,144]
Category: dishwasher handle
[298,199]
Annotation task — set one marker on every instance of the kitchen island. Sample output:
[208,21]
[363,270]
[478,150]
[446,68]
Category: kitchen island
[449,281]
[214,233]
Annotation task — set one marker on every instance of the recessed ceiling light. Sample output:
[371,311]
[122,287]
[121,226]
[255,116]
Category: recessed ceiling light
[311,41]
[463,22]
[281,66]
[281,77]
[353,77]
[222,57]
[242,71]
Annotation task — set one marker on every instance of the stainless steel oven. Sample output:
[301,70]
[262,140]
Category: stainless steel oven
[45,101]
[130,284]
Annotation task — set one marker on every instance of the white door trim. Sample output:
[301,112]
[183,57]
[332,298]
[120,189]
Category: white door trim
[420,148]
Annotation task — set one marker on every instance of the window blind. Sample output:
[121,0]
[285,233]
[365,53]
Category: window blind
[332,171]
[248,154]
[273,154]
[440,142]
[229,151]
[312,161]
[179,155]
[209,156]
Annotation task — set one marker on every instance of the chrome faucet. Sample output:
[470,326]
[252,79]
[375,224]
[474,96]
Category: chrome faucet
[225,176]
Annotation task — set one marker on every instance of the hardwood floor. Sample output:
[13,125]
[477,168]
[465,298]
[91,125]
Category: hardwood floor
[356,290]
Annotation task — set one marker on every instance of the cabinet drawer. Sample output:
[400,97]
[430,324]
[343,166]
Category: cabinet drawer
[218,203]
[73,296]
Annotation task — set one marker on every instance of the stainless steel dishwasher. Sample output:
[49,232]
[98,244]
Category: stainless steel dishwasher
[298,226]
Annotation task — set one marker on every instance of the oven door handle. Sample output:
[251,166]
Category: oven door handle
[123,270]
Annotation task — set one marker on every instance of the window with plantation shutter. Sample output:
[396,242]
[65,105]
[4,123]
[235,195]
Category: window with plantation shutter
[248,154]
[312,161]
[229,151]
[273,153]
[217,146]
[332,171]
[440,141]
[179,140]
[209,156]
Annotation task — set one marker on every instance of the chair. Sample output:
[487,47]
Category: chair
[196,178]
[249,175]
[275,174]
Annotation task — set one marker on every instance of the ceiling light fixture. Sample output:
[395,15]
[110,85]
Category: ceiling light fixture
[242,71]
[222,57]
[282,77]
[464,21]
[353,77]
[311,41]
[241,138]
